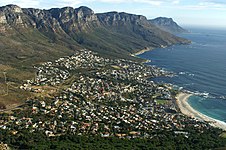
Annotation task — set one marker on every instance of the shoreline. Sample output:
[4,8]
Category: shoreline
[186,109]
[141,51]
[145,50]
[182,101]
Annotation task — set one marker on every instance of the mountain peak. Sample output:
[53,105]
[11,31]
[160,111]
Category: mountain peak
[164,20]
[84,8]
[167,24]
[11,8]
[67,8]
[86,11]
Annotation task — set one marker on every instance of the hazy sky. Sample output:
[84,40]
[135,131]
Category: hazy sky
[185,12]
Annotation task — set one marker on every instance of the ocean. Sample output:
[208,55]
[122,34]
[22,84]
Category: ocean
[200,68]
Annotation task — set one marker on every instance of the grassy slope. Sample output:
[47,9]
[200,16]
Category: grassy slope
[19,52]
[30,47]
[112,44]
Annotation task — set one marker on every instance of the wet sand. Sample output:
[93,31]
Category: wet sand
[186,109]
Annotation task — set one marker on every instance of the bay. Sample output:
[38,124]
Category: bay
[200,68]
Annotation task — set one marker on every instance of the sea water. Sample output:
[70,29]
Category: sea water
[200,68]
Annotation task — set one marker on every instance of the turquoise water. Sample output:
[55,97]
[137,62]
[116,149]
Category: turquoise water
[214,108]
[200,68]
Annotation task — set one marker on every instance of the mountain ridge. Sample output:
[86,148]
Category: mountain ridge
[11,14]
[113,33]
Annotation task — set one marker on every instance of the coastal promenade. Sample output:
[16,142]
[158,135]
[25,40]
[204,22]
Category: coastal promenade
[186,109]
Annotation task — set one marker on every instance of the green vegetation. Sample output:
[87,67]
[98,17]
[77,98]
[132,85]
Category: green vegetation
[161,102]
[166,140]
[223,135]
[31,47]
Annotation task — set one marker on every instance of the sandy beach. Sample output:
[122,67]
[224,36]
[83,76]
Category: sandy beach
[186,109]
[142,51]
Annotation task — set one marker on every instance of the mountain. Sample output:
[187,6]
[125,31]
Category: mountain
[27,33]
[168,25]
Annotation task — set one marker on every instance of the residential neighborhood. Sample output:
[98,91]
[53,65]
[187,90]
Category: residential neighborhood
[98,96]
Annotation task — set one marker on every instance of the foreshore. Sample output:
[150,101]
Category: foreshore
[186,109]
[146,50]
[142,51]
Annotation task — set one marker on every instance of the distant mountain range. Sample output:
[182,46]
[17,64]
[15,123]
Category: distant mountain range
[29,35]
[167,24]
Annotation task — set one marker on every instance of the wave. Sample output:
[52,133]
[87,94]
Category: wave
[184,88]
[188,84]
[200,68]
[186,73]
[206,95]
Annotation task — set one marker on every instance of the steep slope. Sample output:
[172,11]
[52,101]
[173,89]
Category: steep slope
[26,39]
[167,24]
[135,31]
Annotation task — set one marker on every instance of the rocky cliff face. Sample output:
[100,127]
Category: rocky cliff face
[109,33]
[10,15]
[120,19]
[167,24]
[139,25]
[56,20]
